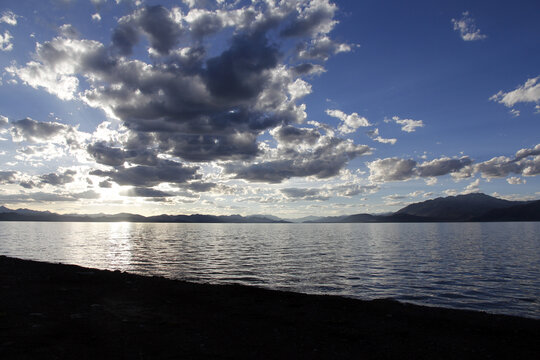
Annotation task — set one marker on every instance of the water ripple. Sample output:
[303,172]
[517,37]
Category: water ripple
[480,266]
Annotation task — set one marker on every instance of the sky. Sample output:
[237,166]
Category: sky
[288,108]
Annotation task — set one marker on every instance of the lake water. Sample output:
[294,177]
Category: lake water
[484,266]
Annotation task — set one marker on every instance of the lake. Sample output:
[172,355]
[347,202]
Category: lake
[482,266]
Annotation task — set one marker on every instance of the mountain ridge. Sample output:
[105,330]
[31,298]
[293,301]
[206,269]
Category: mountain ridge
[460,208]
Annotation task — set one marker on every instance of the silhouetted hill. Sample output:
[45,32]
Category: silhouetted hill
[523,212]
[457,208]
[31,215]
[470,207]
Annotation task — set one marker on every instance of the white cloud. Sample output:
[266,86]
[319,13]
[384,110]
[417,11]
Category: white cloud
[374,134]
[9,18]
[473,187]
[5,41]
[528,92]
[96,17]
[467,28]
[514,112]
[514,180]
[407,125]
[350,122]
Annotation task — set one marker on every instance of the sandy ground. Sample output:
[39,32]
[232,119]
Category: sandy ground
[52,311]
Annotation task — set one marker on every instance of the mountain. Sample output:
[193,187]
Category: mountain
[470,207]
[523,212]
[31,215]
[457,208]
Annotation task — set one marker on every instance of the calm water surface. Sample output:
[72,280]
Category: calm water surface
[484,266]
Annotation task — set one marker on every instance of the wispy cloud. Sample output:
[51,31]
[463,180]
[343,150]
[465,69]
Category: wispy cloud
[467,28]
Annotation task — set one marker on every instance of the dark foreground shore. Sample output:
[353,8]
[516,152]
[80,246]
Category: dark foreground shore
[52,311]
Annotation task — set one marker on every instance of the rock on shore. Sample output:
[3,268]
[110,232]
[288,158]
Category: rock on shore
[53,311]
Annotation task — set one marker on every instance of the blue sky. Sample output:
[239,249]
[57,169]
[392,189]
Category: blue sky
[289,108]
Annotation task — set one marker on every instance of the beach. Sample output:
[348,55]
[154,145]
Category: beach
[55,311]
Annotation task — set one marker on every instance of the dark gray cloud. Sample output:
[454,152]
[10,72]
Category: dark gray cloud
[443,166]
[156,22]
[36,131]
[305,194]
[58,179]
[239,72]
[396,169]
[165,171]
[47,197]
[8,177]
[193,102]
[105,184]
[145,192]
[106,155]
[290,135]
[324,160]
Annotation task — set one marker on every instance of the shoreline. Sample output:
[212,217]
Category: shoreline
[50,311]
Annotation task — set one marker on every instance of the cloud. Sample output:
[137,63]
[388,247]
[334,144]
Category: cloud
[442,166]
[8,17]
[3,121]
[36,131]
[156,22]
[164,171]
[528,92]
[304,194]
[516,180]
[58,179]
[407,125]
[350,122]
[526,162]
[300,153]
[374,134]
[5,41]
[96,17]
[312,18]
[145,192]
[196,103]
[467,28]
[473,187]
[321,49]
[396,169]
[8,177]
[391,169]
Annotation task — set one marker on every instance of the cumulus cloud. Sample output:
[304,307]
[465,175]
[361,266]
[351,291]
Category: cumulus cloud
[304,194]
[37,131]
[516,180]
[8,17]
[526,162]
[300,153]
[350,122]
[196,103]
[407,125]
[528,92]
[164,171]
[96,17]
[8,177]
[5,41]
[58,179]
[396,169]
[467,28]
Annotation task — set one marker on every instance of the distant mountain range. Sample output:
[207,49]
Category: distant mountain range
[461,208]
